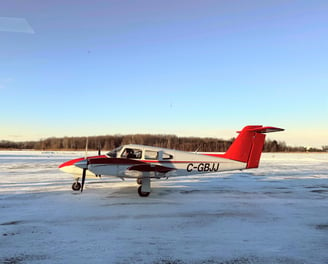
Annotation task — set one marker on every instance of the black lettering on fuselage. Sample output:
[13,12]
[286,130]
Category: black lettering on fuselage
[203,167]
[190,167]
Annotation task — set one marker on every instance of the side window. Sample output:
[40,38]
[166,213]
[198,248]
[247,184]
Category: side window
[151,155]
[130,153]
[167,156]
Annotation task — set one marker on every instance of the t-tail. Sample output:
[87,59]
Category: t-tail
[248,146]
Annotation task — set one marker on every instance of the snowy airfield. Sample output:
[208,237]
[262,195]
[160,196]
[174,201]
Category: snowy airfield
[275,214]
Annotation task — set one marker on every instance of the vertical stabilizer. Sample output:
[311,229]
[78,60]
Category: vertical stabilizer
[248,145]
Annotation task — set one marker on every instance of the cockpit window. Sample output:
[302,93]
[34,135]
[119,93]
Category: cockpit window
[151,155]
[130,153]
[113,153]
[167,156]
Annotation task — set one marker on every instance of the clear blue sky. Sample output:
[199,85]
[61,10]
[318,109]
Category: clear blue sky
[194,68]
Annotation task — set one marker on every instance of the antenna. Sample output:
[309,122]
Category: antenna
[197,149]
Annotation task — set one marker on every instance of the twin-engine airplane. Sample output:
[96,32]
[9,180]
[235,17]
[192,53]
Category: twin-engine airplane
[145,163]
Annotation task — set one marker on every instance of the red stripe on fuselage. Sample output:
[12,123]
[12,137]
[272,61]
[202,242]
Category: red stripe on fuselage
[115,161]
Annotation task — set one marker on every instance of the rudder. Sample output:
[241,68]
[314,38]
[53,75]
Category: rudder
[248,146]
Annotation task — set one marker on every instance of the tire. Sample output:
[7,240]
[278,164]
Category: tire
[141,193]
[76,186]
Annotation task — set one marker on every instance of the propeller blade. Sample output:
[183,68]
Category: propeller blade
[99,150]
[99,153]
[83,178]
[86,148]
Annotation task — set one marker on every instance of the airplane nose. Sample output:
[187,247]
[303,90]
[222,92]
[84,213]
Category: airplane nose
[83,164]
[69,163]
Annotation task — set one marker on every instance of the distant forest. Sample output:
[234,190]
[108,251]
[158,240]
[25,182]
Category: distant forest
[165,141]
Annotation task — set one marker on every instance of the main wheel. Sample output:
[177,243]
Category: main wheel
[76,186]
[139,181]
[141,193]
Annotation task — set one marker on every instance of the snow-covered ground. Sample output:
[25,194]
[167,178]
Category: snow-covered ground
[275,214]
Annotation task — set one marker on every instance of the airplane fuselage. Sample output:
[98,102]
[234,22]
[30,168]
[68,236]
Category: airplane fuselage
[156,162]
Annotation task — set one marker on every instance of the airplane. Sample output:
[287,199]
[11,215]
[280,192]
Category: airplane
[146,162]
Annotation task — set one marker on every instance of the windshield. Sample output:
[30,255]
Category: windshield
[113,153]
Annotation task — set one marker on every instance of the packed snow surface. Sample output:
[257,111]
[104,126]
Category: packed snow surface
[277,213]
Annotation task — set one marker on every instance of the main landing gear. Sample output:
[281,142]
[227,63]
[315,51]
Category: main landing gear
[144,188]
[141,193]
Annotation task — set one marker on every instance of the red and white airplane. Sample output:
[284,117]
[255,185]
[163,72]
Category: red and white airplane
[145,162]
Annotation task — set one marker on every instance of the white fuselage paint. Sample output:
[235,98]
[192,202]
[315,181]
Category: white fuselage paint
[180,163]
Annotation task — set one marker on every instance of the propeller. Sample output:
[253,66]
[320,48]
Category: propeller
[83,164]
[84,171]
[83,178]
[99,153]
[86,148]
[99,149]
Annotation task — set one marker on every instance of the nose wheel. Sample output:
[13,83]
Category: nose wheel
[76,186]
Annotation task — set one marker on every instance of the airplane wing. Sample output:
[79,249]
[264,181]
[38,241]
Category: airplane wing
[150,167]
[111,166]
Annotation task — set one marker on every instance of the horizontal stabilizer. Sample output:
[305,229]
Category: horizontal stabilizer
[260,129]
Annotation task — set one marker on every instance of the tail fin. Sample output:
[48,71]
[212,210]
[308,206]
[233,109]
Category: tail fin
[248,145]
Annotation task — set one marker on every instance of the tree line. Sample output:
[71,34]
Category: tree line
[165,141]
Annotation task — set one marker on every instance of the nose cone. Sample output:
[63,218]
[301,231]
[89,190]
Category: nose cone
[69,163]
[69,166]
[74,166]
